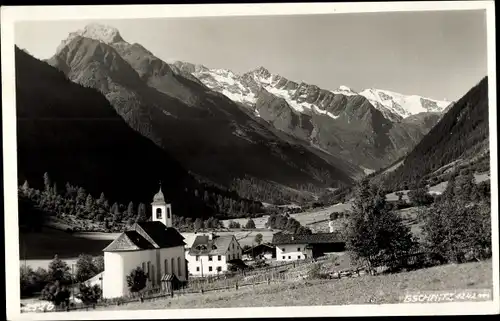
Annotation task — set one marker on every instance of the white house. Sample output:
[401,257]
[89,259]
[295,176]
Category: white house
[291,247]
[155,246]
[210,254]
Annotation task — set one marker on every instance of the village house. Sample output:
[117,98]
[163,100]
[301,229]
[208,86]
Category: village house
[290,247]
[211,254]
[261,251]
[155,246]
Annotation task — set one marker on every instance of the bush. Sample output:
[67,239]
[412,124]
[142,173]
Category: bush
[233,224]
[315,271]
[137,280]
[258,238]
[89,294]
[56,293]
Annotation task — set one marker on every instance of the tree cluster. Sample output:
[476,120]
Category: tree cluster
[187,224]
[252,188]
[420,196]
[58,276]
[457,226]
[75,201]
[287,224]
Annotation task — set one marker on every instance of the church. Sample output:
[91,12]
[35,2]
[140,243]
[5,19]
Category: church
[155,246]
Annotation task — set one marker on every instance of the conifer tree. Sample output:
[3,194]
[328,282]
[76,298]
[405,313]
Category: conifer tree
[101,200]
[130,209]
[81,196]
[25,188]
[141,213]
[46,182]
[89,203]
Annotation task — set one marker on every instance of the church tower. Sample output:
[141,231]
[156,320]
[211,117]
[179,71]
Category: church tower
[161,210]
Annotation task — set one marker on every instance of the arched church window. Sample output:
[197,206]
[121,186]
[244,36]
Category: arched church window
[172,265]
[166,266]
[179,270]
[168,212]
[158,213]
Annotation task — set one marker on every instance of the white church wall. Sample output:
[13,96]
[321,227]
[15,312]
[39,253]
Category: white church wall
[177,253]
[114,282]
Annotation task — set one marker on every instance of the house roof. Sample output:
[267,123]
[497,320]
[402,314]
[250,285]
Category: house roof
[219,245]
[318,238]
[260,247]
[145,236]
[189,239]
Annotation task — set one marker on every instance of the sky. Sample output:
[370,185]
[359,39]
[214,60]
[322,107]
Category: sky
[435,54]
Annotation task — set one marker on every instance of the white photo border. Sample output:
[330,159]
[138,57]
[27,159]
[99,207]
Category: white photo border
[10,15]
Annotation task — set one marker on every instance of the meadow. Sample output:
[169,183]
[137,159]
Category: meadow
[365,289]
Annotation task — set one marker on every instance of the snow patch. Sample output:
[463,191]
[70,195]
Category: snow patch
[324,112]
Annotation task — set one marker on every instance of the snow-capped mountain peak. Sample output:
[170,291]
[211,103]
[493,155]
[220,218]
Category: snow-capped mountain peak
[305,98]
[96,31]
[344,90]
[402,105]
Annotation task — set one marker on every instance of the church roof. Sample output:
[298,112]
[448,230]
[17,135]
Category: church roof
[219,245]
[129,241]
[146,235]
[159,198]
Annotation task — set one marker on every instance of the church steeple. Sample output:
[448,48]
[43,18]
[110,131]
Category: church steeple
[159,198]
[162,211]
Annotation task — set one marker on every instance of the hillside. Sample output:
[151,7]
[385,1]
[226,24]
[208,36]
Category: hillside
[460,138]
[205,131]
[73,133]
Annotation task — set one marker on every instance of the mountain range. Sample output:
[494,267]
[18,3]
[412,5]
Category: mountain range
[210,135]
[222,128]
[370,129]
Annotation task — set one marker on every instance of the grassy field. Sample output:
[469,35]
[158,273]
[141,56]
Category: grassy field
[39,248]
[365,289]
[259,221]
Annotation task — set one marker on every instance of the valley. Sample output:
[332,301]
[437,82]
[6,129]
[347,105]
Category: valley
[163,175]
